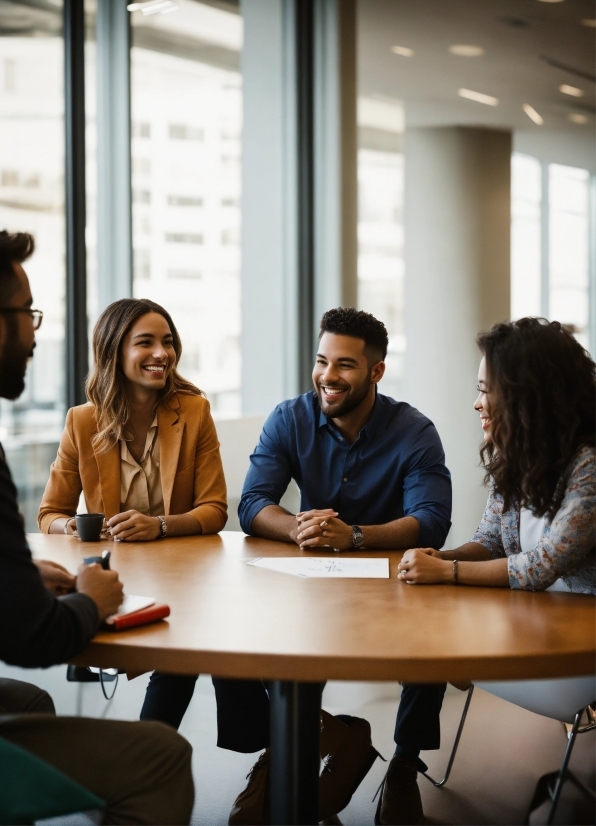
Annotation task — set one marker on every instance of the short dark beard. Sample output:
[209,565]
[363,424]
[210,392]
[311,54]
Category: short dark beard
[13,362]
[352,401]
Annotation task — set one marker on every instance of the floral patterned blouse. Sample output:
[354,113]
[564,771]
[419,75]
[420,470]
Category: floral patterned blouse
[567,548]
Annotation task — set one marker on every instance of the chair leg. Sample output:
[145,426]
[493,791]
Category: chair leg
[563,769]
[439,783]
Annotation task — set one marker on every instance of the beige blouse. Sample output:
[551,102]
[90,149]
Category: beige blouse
[140,482]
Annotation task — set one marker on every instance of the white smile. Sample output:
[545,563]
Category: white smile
[155,368]
[333,391]
[484,422]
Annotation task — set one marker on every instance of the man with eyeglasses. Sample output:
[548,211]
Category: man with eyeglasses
[47,616]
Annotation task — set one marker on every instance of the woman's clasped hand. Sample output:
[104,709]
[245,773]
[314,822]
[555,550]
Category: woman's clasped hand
[424,565]
[133,526]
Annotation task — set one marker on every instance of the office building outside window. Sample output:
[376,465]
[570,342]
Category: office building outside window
[186,156]
[32,200]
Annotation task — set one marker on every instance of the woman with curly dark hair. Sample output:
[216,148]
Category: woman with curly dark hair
[537,393]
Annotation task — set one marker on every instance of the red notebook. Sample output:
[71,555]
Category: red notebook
[142,617]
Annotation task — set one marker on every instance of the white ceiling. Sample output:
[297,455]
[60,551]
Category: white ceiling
[516,36]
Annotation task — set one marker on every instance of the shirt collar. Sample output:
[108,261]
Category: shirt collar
[127,456]
[370,428]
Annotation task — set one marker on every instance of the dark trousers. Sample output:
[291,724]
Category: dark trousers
[243,711]
[167,698]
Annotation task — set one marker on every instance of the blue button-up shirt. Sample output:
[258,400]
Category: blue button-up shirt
[395,468]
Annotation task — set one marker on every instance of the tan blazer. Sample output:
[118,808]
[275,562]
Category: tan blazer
[192,478]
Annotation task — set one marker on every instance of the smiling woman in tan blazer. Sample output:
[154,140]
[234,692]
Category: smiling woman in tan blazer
[190,467]
[144,451]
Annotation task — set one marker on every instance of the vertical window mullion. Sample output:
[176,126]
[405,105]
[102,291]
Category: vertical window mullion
[76,254]
[545,243]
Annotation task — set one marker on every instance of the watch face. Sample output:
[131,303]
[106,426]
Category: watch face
[357,536]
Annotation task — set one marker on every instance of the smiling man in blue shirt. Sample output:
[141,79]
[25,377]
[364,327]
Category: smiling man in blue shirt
[371,473]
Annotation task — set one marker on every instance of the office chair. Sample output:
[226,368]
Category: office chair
[570,700]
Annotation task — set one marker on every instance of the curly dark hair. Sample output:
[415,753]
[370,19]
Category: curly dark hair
[15,247]
[544,387]
[347,321]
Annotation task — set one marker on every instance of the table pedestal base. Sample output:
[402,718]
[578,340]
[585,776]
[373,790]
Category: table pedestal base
[294,765]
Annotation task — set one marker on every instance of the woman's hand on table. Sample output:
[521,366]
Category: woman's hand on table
[322,529]
[424,566]
[132,526]
[55,578]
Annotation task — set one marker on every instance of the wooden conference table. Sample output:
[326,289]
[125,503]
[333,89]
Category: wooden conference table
[231,619]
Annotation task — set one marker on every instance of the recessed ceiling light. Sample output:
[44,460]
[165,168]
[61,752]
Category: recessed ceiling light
[575,117]
[478,97]
[550,1]
[153,7]
[466,51]
[403,51]
[533,114]
[588,21]
[571,90]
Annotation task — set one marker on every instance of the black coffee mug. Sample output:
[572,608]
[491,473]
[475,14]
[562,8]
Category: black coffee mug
[89,526]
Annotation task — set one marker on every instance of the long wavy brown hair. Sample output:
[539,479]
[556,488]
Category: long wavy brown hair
[106,384]
[543,390]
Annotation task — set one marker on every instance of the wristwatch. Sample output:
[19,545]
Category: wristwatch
[163,526]
[357,536]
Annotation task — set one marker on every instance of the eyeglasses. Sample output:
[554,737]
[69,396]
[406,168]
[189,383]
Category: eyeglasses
[36,315]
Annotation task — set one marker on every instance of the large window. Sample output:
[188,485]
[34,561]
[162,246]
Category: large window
[186,155]
[550,251]
[568,293]
[186,138]
[380,227]
[32,200]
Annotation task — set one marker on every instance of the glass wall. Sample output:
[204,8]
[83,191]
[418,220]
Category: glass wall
[550,243]
[526,236]
[186,156]
[32,200]
[568,293]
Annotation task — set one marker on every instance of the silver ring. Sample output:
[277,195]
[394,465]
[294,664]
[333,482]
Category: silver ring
[323,524]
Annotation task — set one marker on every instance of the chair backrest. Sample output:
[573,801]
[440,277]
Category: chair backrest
[238,439]
[34,790]
[560,699]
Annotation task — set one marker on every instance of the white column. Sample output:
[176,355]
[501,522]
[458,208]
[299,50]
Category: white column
[457,251]
[269,357]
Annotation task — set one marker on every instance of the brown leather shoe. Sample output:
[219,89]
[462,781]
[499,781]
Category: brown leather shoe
[251,807]
[399,802]
[348,755]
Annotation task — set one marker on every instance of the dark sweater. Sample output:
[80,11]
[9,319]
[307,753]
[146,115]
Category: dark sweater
[36,628]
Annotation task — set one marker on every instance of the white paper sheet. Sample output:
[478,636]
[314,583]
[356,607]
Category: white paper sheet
[325,566]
